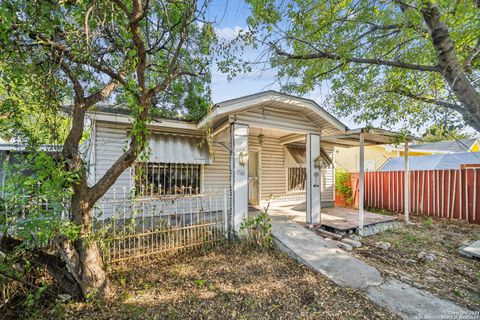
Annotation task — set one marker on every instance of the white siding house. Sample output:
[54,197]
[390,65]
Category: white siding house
[244,153]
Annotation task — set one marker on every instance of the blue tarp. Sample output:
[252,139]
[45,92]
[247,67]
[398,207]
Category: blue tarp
[436,162]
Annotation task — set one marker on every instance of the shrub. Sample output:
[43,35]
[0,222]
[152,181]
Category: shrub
[343,184]
[257,230]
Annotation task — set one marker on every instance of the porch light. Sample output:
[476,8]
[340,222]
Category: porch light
[261,138]
[318,162]
[243,157]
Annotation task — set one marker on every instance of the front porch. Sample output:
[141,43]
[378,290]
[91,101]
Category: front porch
[341,221]
[281,148]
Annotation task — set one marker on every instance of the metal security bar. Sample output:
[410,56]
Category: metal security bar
[147,226]
[153,178]
[297,178]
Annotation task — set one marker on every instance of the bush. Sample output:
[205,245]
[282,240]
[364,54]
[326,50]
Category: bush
[343,184]
[257,230]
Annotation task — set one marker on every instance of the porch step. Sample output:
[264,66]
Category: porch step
[328,234]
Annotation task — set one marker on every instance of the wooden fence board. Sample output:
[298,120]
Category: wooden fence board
[450,194]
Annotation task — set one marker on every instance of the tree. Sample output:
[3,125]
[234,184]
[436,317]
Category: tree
[393,60]
[147,55]
[443,132]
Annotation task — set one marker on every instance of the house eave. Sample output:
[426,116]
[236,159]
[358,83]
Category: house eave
[128,120]
[254,100]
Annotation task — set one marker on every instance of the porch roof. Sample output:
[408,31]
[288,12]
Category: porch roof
[372,136]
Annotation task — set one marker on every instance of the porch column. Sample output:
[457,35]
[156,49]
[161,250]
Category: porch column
[313,180]
[406,184]
[361,184]
[239,174]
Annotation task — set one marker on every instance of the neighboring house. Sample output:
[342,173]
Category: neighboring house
[377,156]
[434,162]
[445,147]
[257,148]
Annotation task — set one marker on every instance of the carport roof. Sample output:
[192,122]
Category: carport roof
[372,136]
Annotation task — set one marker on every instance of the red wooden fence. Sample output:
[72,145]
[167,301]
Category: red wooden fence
[440,193]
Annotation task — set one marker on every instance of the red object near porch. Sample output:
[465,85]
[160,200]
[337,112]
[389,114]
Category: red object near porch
[439,193]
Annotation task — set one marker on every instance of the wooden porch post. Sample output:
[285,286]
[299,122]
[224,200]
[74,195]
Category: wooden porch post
[239,174]
[361,184]
[313,180]
[406,184]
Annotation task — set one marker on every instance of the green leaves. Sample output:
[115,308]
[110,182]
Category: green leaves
[372,92]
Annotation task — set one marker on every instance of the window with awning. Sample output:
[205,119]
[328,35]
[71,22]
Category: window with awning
[165,148]
[172,166]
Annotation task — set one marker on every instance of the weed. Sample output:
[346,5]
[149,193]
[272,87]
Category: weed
[410,237]
[200,282]
[457,292]
[428,222]
[257,230]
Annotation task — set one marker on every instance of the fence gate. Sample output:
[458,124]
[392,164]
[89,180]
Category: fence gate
[147,226]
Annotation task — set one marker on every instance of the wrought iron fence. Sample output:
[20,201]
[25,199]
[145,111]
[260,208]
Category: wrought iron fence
[132,228]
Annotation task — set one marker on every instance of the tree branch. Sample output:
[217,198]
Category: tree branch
[333,56]
[441,103]
[101,94]
[137,15]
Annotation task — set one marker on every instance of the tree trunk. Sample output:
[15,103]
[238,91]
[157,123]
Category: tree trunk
[83,259]
[451,69]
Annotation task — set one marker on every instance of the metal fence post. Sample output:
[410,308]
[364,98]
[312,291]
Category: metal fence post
[225,215]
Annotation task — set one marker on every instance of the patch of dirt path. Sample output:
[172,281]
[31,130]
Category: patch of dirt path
[449,275]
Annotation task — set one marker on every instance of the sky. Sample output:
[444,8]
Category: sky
[229,17]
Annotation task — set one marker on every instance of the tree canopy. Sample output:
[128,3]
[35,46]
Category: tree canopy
[61,59]
[397,62]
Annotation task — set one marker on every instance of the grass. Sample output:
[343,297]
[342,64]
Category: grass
[450,275]
[230,282]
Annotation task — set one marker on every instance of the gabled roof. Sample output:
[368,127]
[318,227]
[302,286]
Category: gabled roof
[451,146]
[277,100]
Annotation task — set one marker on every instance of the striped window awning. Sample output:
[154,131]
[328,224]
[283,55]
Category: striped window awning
[164,148]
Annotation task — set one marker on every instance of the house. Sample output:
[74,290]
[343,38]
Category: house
[258,148]
[446,147]
[378,155]
[434,162]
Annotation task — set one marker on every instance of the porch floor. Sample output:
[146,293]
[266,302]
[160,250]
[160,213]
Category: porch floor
[338,220]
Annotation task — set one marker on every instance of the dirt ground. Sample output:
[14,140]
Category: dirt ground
[450,275]
[230,282]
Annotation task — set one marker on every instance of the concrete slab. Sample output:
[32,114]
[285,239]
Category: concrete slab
[323,256]
[343,245]
[345,270]
[351,242]
[411,303]
[472,250]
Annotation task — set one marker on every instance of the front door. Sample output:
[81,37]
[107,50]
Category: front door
[253,178]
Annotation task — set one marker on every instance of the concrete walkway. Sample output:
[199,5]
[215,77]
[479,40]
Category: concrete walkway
[347,271]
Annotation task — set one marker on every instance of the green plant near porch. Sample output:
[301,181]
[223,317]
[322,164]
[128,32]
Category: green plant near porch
[343,185]
[257,230]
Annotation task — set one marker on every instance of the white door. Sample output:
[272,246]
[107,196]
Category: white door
[253,178]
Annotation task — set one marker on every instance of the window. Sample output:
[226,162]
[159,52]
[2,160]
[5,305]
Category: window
[297,177]
[153,178]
